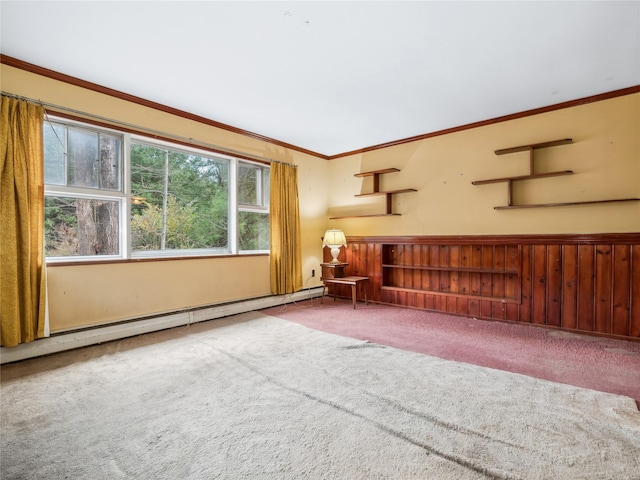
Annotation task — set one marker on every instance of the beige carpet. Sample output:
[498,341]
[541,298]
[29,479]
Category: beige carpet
[256,397]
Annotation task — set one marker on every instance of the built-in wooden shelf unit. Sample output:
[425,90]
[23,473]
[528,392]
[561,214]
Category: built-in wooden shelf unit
[493,275]
[376,192]
[533,175]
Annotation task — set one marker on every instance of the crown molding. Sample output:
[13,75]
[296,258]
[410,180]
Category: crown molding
[45,72]
[505,118]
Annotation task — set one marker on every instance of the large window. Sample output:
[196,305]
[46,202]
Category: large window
[110,194]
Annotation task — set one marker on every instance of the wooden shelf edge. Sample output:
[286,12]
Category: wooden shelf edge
[364,216]
[525,148]
[564,204]
[376,192]
[389,192]
[523,177]
[376,172]
[451,269]
[452,294]
[512,239]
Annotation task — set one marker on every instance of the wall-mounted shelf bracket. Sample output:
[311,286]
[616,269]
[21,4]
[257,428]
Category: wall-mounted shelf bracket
[533,175]
[376,191]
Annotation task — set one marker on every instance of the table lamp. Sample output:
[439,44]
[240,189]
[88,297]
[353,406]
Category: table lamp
[334,239]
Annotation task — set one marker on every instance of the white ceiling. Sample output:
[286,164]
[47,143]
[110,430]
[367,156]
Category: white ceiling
[336,76]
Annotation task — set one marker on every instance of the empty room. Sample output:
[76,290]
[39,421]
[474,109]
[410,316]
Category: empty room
[320,240]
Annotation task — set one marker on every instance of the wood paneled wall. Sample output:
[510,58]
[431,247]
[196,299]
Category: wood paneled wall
[585,283]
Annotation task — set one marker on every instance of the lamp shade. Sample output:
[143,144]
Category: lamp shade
[334,238]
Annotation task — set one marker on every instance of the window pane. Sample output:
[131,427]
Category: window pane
[83,158]
[80,227]
[253,231]
[110,159]
[179,200]
[266,186]
[247,185]
[94,159]
[55,147]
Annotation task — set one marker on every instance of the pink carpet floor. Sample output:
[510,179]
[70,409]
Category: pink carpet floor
[597,363]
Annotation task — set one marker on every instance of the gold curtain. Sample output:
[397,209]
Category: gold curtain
[22,265]
[286,256]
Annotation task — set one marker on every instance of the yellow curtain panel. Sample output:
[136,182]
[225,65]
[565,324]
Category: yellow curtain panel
[286,256]
[22,274]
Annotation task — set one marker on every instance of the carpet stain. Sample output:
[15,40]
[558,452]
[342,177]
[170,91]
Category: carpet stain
[622,351]
[362,345]
[577,336]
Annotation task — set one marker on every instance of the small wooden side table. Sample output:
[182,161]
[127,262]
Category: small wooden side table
[349,280]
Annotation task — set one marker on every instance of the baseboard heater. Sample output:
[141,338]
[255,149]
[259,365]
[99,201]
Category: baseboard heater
[61,341]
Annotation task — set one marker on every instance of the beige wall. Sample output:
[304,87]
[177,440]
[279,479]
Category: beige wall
[605,156]
[90,294]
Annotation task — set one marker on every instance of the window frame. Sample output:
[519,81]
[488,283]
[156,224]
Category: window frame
[124,197]
[119,195]
[263,206]
[173,253]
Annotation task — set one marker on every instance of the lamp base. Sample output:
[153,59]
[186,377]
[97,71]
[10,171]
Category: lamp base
[335,251]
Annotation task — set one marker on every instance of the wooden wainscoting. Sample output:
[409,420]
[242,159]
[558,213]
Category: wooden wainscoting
[585,283]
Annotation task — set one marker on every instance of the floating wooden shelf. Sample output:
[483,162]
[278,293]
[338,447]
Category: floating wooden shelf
[534,146]
[369,215]
[532,175]
[562,204]
[390,192]
[376,192]
[376,172]
[523,177]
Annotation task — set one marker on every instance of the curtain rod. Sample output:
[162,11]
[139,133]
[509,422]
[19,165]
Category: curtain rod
[188,140]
